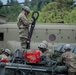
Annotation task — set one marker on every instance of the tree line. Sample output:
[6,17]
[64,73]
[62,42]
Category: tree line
[51,11]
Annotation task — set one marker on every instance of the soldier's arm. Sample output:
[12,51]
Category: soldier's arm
[25,21]
[50,53]
[61,58]
[44,60]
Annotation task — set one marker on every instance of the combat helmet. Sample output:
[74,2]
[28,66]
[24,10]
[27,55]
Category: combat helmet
[42,45]
[7,51]
[26,8]
[67,47]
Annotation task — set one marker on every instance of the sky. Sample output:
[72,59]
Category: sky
[4,1]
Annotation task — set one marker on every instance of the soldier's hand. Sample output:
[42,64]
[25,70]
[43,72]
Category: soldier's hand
[31,21]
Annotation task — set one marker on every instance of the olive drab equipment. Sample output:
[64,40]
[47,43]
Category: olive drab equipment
[32,28]
[17,57]
[18,66]
[23,69]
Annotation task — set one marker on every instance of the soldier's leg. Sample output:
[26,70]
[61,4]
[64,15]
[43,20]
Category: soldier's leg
[23,42]
[23,38]
[71,73]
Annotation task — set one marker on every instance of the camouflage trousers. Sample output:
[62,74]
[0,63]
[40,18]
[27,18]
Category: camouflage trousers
[71,71]
[23,34]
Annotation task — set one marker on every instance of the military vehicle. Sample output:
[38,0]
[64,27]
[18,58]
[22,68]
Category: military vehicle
[18,65]
[53,33]
[56,35]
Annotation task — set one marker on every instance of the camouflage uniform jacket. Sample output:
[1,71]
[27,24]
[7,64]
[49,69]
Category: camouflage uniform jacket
[49,52]
[70,60]
[22,21]
[45,59]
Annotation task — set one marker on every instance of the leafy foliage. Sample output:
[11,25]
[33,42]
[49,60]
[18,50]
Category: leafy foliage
[58,11]
[51,11]
[70,17]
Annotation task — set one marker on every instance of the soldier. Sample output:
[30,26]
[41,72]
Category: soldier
[45,59]
[23,24]
[69,59]
[49,52]
[5,55]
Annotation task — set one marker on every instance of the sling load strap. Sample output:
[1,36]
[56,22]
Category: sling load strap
[35,16]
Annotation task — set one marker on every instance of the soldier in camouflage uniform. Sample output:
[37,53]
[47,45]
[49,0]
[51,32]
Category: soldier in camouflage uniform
[45,59]
[49,52]
[69,59]
[23,24]
[5,54]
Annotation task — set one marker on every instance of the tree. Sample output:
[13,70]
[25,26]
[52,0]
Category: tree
[1,4]
[66,4]
[34,4]
[41,3]
[56,10]
[70,17]
[27,3]
[12,10]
